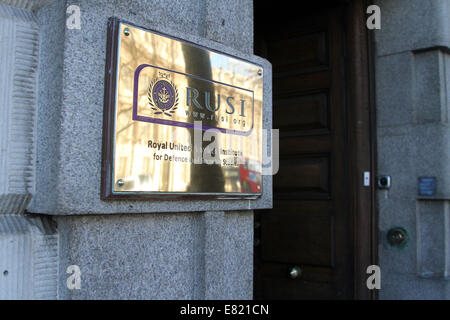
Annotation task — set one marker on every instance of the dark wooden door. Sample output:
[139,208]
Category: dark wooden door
[309,226]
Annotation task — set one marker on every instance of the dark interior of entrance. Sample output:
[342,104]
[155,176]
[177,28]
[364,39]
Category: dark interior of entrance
[305,245]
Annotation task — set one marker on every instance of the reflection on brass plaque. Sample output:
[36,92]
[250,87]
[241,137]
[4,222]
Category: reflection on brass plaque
[179,119]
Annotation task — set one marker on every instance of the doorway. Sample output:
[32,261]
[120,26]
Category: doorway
[319,238]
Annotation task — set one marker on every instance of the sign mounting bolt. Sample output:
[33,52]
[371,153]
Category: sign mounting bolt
[120,183]
[260,72]
[126,32]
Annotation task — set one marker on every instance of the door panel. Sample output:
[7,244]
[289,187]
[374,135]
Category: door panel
[308,249]
[313,109]
[298,144]
[298,83]
[316,282]
[309,225]
[300,53]
[307,174]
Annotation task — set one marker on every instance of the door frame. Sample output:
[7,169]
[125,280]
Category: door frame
[362,143]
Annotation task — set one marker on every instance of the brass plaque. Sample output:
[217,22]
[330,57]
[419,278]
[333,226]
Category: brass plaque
[179,119]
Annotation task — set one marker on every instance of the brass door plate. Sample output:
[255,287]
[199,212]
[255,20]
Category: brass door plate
[168,104]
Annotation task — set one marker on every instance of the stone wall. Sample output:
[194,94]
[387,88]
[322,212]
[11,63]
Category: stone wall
[28,245]
[412,69]
[132,249]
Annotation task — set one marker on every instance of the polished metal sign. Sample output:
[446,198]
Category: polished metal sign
[179,119]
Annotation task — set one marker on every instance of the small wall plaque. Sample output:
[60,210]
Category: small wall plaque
[427,186]
[169,106]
